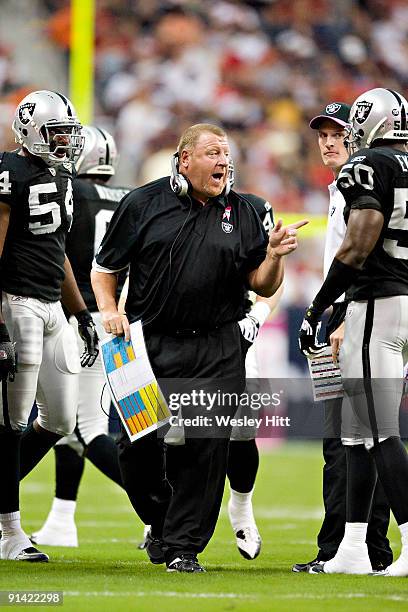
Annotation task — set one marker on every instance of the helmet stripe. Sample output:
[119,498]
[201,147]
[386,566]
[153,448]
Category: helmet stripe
[402,109]
[107,154]
[66,102]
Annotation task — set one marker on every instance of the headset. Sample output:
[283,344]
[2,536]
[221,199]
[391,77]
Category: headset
[180,184]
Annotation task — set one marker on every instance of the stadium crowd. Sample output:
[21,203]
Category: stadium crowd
[260,68]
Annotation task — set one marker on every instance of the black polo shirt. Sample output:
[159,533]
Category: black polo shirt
[188,262]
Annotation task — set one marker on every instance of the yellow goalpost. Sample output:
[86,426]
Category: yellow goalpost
[81,69]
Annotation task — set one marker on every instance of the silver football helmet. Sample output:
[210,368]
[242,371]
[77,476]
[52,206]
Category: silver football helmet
[378,114]
[99,155]
[46,124]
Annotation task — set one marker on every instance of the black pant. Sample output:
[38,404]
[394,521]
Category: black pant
[178,489]
[335,484]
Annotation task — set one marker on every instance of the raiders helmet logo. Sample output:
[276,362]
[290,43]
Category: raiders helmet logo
[363,109]
[25,112]
[227,227]
[332,108]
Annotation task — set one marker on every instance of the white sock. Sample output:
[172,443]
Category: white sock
[10,524]
[63,508]
[355,534]
[400,566]
[240,509]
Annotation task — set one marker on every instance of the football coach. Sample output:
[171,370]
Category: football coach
[193,246]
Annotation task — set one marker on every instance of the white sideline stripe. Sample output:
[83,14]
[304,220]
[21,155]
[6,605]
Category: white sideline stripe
[300,513]
[36,487]
[158,594]
[247,596]
[224,542]
[340,596]
[95,524]
[262,512]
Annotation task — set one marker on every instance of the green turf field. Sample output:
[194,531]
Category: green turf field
[107,572]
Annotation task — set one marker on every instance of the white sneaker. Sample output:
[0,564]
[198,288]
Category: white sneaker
[399,568]
[347,560]
[246,532]
[249,542]
[18,548]
[56,534]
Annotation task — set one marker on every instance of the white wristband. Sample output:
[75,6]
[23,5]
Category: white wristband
[260,311]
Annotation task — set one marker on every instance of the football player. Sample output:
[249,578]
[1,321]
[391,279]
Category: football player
[243,457]
[36,213]
[94,203]
[372,265]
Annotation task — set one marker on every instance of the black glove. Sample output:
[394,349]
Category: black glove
[249,327]
[87,331]
[7,355]
[308,333]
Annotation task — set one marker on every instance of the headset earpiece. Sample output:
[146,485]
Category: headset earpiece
[178,182]
[230,178]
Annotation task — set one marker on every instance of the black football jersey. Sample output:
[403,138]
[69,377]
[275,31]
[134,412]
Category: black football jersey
[94,205]
[378,179]
[265,213]
[263,208]
[40,199]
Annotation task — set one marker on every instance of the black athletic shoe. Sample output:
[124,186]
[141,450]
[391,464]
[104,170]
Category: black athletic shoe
[185,563]
[154,549]
[305,567]
[32,555]
[317,568]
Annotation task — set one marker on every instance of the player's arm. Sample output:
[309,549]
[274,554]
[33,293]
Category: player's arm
[268,277]
[70,294]
[113,256]
[363,231]
[7,354]
[4,224]
[74,302]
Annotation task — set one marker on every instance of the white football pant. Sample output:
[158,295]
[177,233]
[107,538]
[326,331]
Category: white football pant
[372,359]
[47,365]
[92,421]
